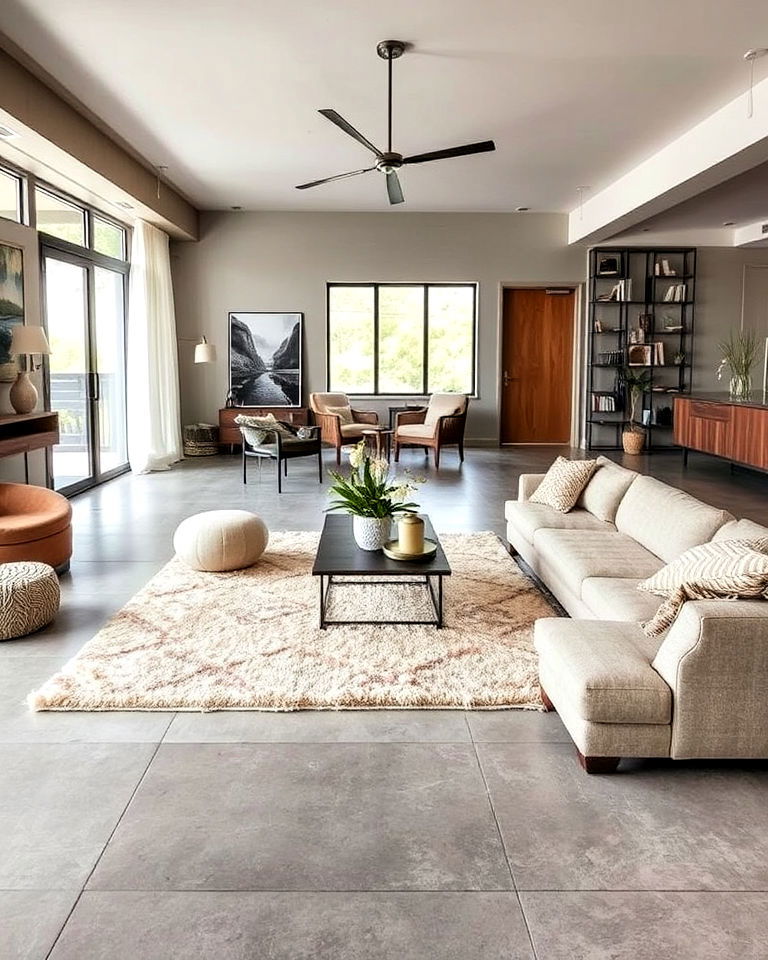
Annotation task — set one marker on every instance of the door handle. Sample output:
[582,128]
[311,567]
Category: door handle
[92,389]
[508,379]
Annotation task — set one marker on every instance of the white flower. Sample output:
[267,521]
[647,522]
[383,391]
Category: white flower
[379,468]
[356,457]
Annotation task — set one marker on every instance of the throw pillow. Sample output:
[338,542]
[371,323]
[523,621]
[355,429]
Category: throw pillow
[256,429]
[344,413]
[563,483]
[718,570]
[606,487]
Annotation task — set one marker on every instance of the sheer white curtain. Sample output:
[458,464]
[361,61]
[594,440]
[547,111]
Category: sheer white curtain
[154,431]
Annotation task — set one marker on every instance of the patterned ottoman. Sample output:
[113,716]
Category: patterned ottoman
[29,597]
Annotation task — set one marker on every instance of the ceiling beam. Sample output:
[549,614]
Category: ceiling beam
[724,145]
[53,133]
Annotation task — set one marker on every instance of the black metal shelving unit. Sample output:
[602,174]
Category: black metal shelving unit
[638,317]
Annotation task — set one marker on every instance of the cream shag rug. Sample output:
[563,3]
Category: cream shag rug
[250,640]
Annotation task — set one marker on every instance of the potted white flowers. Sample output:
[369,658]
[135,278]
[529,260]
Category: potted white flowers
[372,496]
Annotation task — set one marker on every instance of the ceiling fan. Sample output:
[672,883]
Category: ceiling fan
[387,161]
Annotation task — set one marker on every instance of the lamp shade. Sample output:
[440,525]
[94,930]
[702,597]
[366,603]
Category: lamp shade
[205,352]
[29,339]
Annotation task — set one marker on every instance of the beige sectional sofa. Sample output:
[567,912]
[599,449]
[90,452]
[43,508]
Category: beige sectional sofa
[700,690]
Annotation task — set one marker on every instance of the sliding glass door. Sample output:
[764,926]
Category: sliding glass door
[85,314]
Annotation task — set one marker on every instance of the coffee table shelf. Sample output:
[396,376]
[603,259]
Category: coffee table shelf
[339,556]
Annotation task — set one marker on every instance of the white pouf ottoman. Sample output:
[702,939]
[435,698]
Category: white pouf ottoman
[221,540]
[29,597]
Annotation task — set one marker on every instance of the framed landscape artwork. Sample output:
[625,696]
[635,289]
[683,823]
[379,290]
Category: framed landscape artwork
[11,306]
[265,359]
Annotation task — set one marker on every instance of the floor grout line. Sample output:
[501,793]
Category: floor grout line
[103,849]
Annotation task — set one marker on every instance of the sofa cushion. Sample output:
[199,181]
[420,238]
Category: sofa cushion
[741,530]
[617,598]
[665,520]
[602,669]
[606,488]
[574,555]
[563,483]
[529,517]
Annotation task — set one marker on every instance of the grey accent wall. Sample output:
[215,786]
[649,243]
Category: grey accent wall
[282,261]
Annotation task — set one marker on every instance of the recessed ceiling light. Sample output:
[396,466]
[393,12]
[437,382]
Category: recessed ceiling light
[756,53]
[235,208]
[729,223]
[6,133]
[124,205]
[522,209]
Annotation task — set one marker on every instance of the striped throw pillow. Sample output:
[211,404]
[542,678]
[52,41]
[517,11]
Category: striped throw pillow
[719,570]
[563,483]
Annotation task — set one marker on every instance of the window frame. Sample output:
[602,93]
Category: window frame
[376,285]
[90,213]
[23,206]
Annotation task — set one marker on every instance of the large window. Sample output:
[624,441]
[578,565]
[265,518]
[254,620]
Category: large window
[398,339]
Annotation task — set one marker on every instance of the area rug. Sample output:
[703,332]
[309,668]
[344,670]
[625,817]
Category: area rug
[250,640]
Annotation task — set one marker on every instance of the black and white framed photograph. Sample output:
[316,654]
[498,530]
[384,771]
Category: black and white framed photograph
[265,359]
[609,265]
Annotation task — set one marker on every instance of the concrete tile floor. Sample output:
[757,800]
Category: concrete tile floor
[405,834]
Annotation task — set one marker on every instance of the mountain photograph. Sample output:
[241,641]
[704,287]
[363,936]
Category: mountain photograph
[265,359]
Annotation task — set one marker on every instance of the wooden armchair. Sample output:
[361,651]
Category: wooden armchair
[439,425]
[339,423]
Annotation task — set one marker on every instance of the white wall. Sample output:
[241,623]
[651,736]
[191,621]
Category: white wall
[282,261]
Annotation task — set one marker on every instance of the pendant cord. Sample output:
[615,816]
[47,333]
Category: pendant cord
[750,98]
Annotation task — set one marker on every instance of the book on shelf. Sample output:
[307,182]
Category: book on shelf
[605,402]
[620,291]
[675,293]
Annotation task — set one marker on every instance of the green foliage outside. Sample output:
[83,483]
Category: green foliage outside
[401,336]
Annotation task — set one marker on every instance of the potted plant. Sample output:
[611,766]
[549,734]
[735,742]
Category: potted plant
[372,496]
[739,353]
[636,383]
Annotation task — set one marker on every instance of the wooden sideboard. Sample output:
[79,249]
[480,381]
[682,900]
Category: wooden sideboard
[229,432]
[736,430]
[24,432]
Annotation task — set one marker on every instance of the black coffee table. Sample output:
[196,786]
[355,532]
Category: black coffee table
[339,556]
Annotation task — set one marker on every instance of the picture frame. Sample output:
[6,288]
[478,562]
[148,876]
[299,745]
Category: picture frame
[640,355]
[11,305]
[265,358]
[609,265]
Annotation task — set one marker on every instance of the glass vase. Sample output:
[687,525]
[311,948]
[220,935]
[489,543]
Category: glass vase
[741,386]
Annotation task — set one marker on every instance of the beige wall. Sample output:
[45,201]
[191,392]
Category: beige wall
[282,261]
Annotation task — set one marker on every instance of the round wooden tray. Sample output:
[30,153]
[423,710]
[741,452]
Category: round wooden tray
[391,549]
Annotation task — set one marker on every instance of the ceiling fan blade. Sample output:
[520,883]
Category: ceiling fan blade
[394,189]
[484,146]
[339,176]
[349,129]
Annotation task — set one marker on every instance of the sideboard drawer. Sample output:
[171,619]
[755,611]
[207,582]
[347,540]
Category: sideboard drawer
[711,411]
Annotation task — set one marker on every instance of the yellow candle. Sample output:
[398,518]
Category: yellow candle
[411,534]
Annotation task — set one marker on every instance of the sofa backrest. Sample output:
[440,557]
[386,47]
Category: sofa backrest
[606,489]
[666,520]
[741,530]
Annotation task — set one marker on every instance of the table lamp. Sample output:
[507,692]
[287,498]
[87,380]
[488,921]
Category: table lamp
[26,341]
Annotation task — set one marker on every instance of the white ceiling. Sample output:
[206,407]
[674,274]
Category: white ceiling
[225,92]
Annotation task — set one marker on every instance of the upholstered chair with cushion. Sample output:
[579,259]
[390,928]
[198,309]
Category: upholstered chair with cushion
[265,438]
[439,425]
[339,423]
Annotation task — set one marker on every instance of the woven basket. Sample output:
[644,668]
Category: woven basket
[633,441]
[201,440]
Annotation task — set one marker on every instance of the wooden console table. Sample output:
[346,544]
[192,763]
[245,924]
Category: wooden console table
[24,432]
[229,432]
[736,430]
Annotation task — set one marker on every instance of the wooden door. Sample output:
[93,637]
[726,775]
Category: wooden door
[537,366]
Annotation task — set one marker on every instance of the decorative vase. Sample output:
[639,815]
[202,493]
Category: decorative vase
[371,533]
[633,441]
[23,394]
[741,386]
